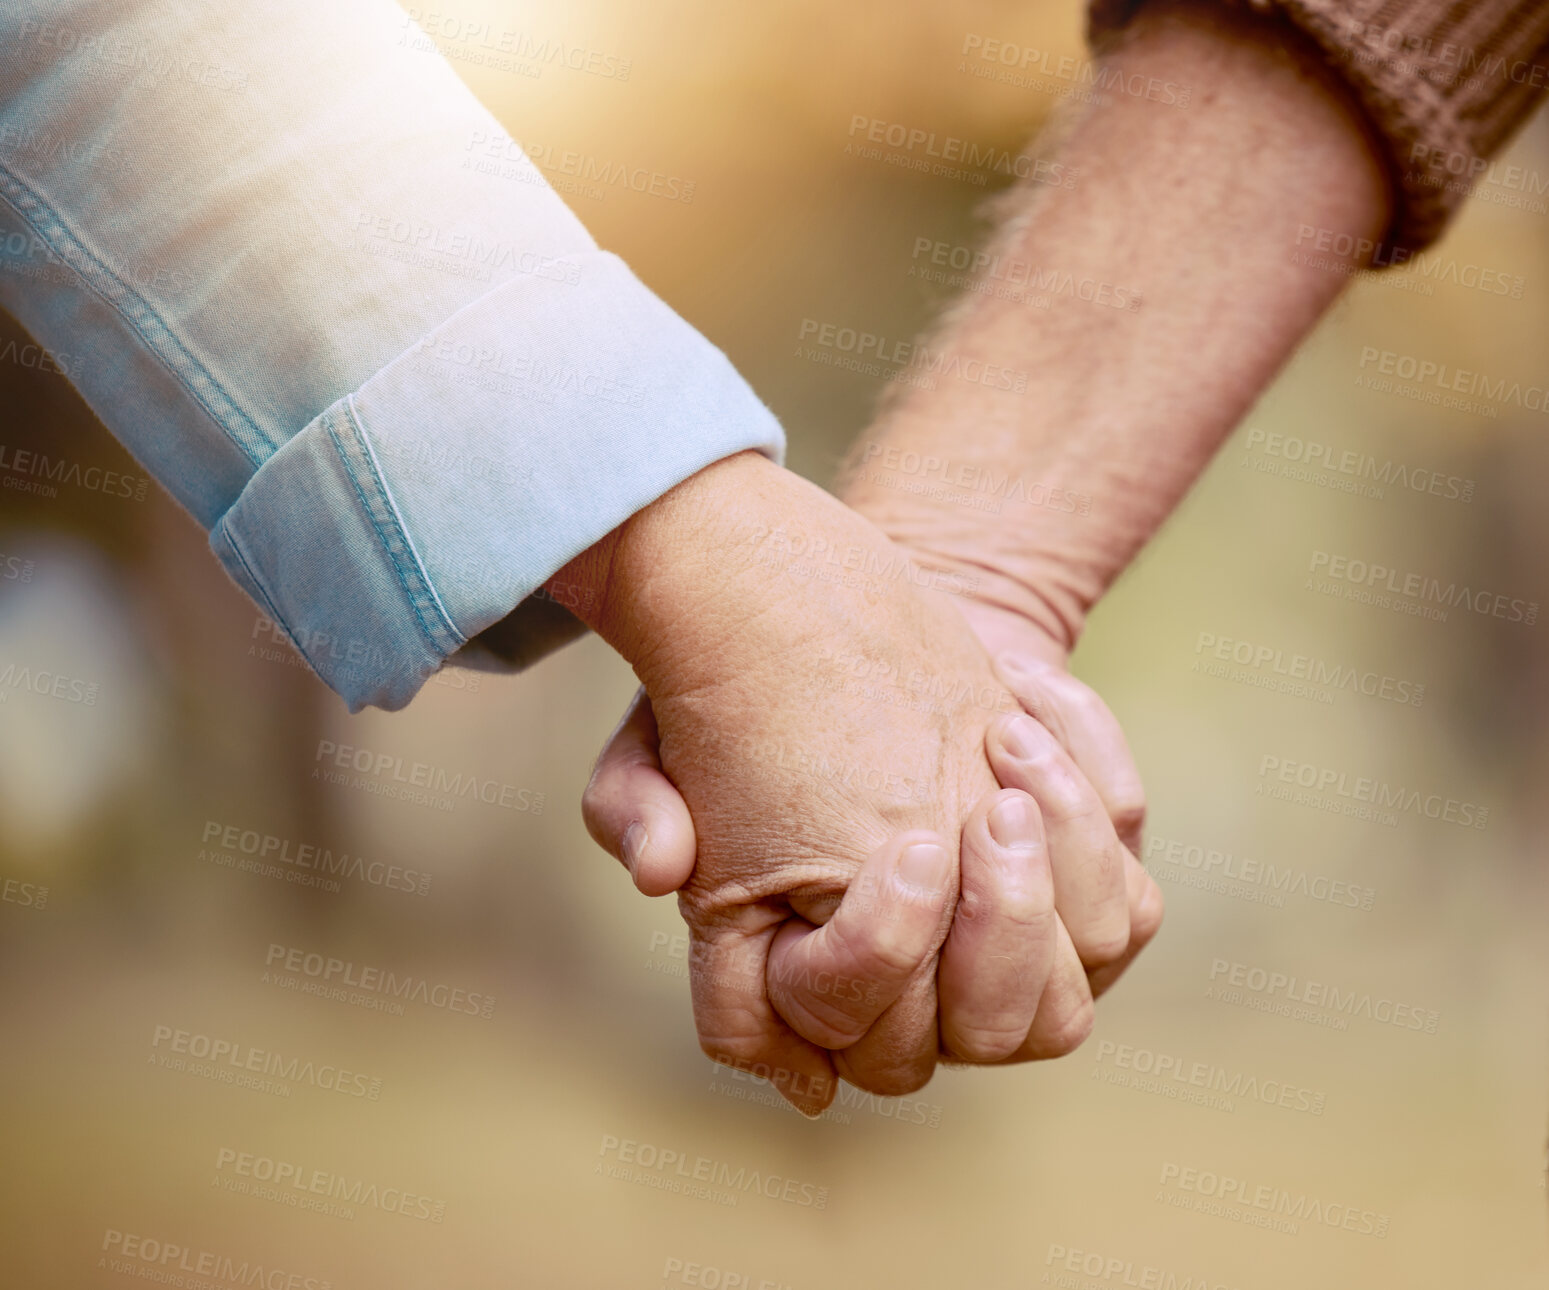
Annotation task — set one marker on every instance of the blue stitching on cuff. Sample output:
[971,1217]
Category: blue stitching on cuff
[437,627]
[141,316]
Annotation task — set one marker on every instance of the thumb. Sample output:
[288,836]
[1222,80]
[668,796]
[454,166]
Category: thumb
[634,812]
[830,983]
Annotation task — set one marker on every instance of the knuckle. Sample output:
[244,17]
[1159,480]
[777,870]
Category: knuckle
[1036,702]
[1028,911]
[1070,1028]
[884,949]
[1077,807]
[1146,920]
[1064,796]
[831,1009]
[981,1043]
[1045,758]
[1104,944]
[821,1021]
[1128,812]
[1092,898]
[1077,696]
[1102,872]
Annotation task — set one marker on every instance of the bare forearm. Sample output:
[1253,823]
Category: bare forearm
[1197,209]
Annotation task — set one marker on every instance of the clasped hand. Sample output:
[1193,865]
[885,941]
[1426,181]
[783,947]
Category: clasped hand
[876,875]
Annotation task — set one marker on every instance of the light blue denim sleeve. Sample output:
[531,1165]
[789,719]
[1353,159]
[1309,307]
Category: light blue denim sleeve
[311,284]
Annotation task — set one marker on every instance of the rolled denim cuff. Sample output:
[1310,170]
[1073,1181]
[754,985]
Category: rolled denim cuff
[430,503]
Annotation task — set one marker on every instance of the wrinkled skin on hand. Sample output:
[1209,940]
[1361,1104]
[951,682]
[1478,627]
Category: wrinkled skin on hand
[795,772]
[1015,983]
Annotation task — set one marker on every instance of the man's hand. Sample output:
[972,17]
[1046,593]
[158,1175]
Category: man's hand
[826,812]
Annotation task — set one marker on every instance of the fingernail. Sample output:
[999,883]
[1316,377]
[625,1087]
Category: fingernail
[925,866]
[635,838]
[1011,823]
[1020,737]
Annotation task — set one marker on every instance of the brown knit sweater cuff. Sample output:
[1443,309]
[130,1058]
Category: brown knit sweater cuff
[1443,83]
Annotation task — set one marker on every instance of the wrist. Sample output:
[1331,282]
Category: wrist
[677,587]
[1015,551]
[670,560]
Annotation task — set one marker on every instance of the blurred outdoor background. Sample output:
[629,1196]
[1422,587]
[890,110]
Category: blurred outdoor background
[201,722]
